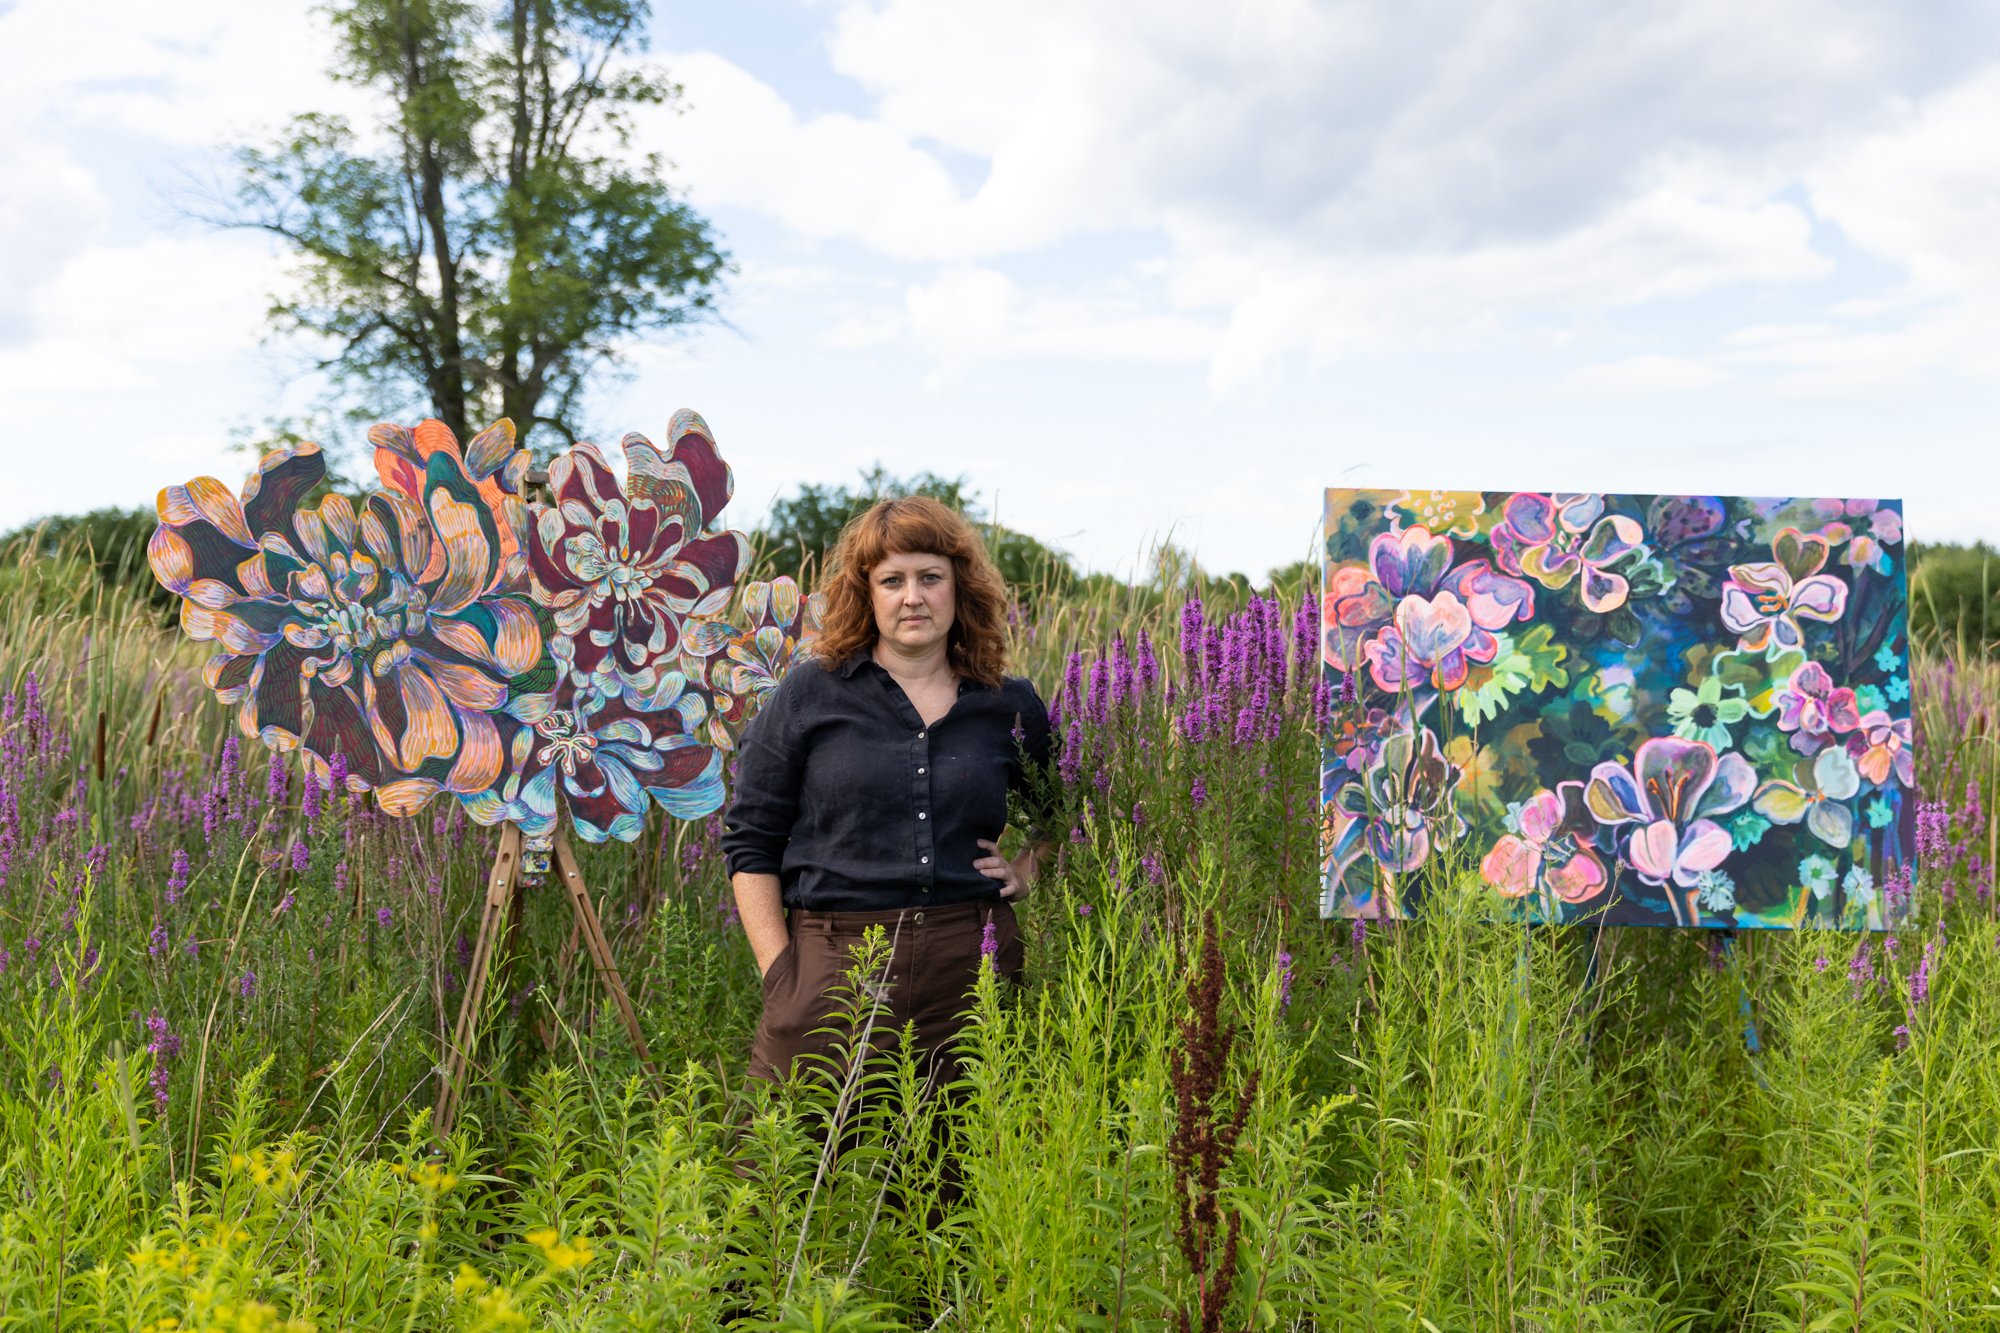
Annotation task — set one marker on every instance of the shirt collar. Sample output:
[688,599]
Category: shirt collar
[853,664]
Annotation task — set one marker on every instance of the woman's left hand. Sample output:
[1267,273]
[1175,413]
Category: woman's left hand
[1014,875]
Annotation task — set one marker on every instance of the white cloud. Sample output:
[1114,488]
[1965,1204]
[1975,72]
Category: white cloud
[1648,373]
[143,353]
[1326,177]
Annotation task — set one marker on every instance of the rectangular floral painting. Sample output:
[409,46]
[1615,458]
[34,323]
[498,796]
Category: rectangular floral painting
[1676,710]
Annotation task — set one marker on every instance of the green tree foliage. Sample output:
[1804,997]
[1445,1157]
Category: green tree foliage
[493,247]
[801,531]
[1955,597]
[107,546]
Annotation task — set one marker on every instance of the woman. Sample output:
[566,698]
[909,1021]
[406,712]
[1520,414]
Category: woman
[871,789]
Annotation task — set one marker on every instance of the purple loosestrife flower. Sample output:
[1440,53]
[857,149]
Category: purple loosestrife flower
[1820,963]
[284,904]
[1305,640]
[1069,765]
[1083,909]
[1902,1035]
[1122,692]
[1896,888]
[1198,792]
[989,942]
[1920,980]
[384,916]
[1322,703]
[1284,980]
[340,880]
[1862,970]
[276,782]
[156,942]
[301,857]
[1349,691]
[1101,780]
[1358,935]
[1098,707]
[1072,686]
[1147,667]
[336,774]
[1192,632]
[6,957]
[309,800]
[246,986]
[211,815]
[232,765]
[1138,814]
[1156,870]
[1932,834]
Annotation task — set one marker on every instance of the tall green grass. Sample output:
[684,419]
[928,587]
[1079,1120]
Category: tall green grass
[1446,1124]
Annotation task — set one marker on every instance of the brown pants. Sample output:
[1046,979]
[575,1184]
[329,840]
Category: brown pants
[928,981]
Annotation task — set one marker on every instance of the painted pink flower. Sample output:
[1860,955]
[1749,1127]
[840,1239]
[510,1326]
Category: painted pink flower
[1817,713]
[1555,539]
[1883,747]
[1553,849]
[1438,618]
[1670,791]
[621,567]
[1763,602]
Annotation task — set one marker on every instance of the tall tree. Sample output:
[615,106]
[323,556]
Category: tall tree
[497,238]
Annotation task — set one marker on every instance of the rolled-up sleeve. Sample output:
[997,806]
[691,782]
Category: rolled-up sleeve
[769,770]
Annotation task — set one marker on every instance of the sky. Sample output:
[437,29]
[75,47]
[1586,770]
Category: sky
[1136,271]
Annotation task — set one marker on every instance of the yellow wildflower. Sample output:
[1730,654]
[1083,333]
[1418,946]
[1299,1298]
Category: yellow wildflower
[468,1282]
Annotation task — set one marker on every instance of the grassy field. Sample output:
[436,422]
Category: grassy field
[223,999]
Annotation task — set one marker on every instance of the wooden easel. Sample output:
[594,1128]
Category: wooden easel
[502,915]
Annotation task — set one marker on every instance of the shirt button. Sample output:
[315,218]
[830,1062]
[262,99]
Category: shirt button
[920,772]
[923,860]
[922,734]
[922,815]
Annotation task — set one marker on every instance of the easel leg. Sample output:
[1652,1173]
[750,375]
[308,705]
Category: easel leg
[502,897]
[600,950]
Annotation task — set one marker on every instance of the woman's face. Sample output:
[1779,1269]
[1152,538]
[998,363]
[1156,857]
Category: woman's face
[915,601]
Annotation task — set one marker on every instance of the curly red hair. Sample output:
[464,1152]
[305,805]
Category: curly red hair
[916,525]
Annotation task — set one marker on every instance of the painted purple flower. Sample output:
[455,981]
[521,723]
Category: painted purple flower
[1814,710]
[622,566]
[1406,801]
[610,761]
[1553,849]
[1670,791]
[1819,797]
[1554,539]
[1437,618]
[1762,603]
[744,663]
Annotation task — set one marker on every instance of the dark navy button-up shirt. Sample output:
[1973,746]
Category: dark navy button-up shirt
[855,805]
